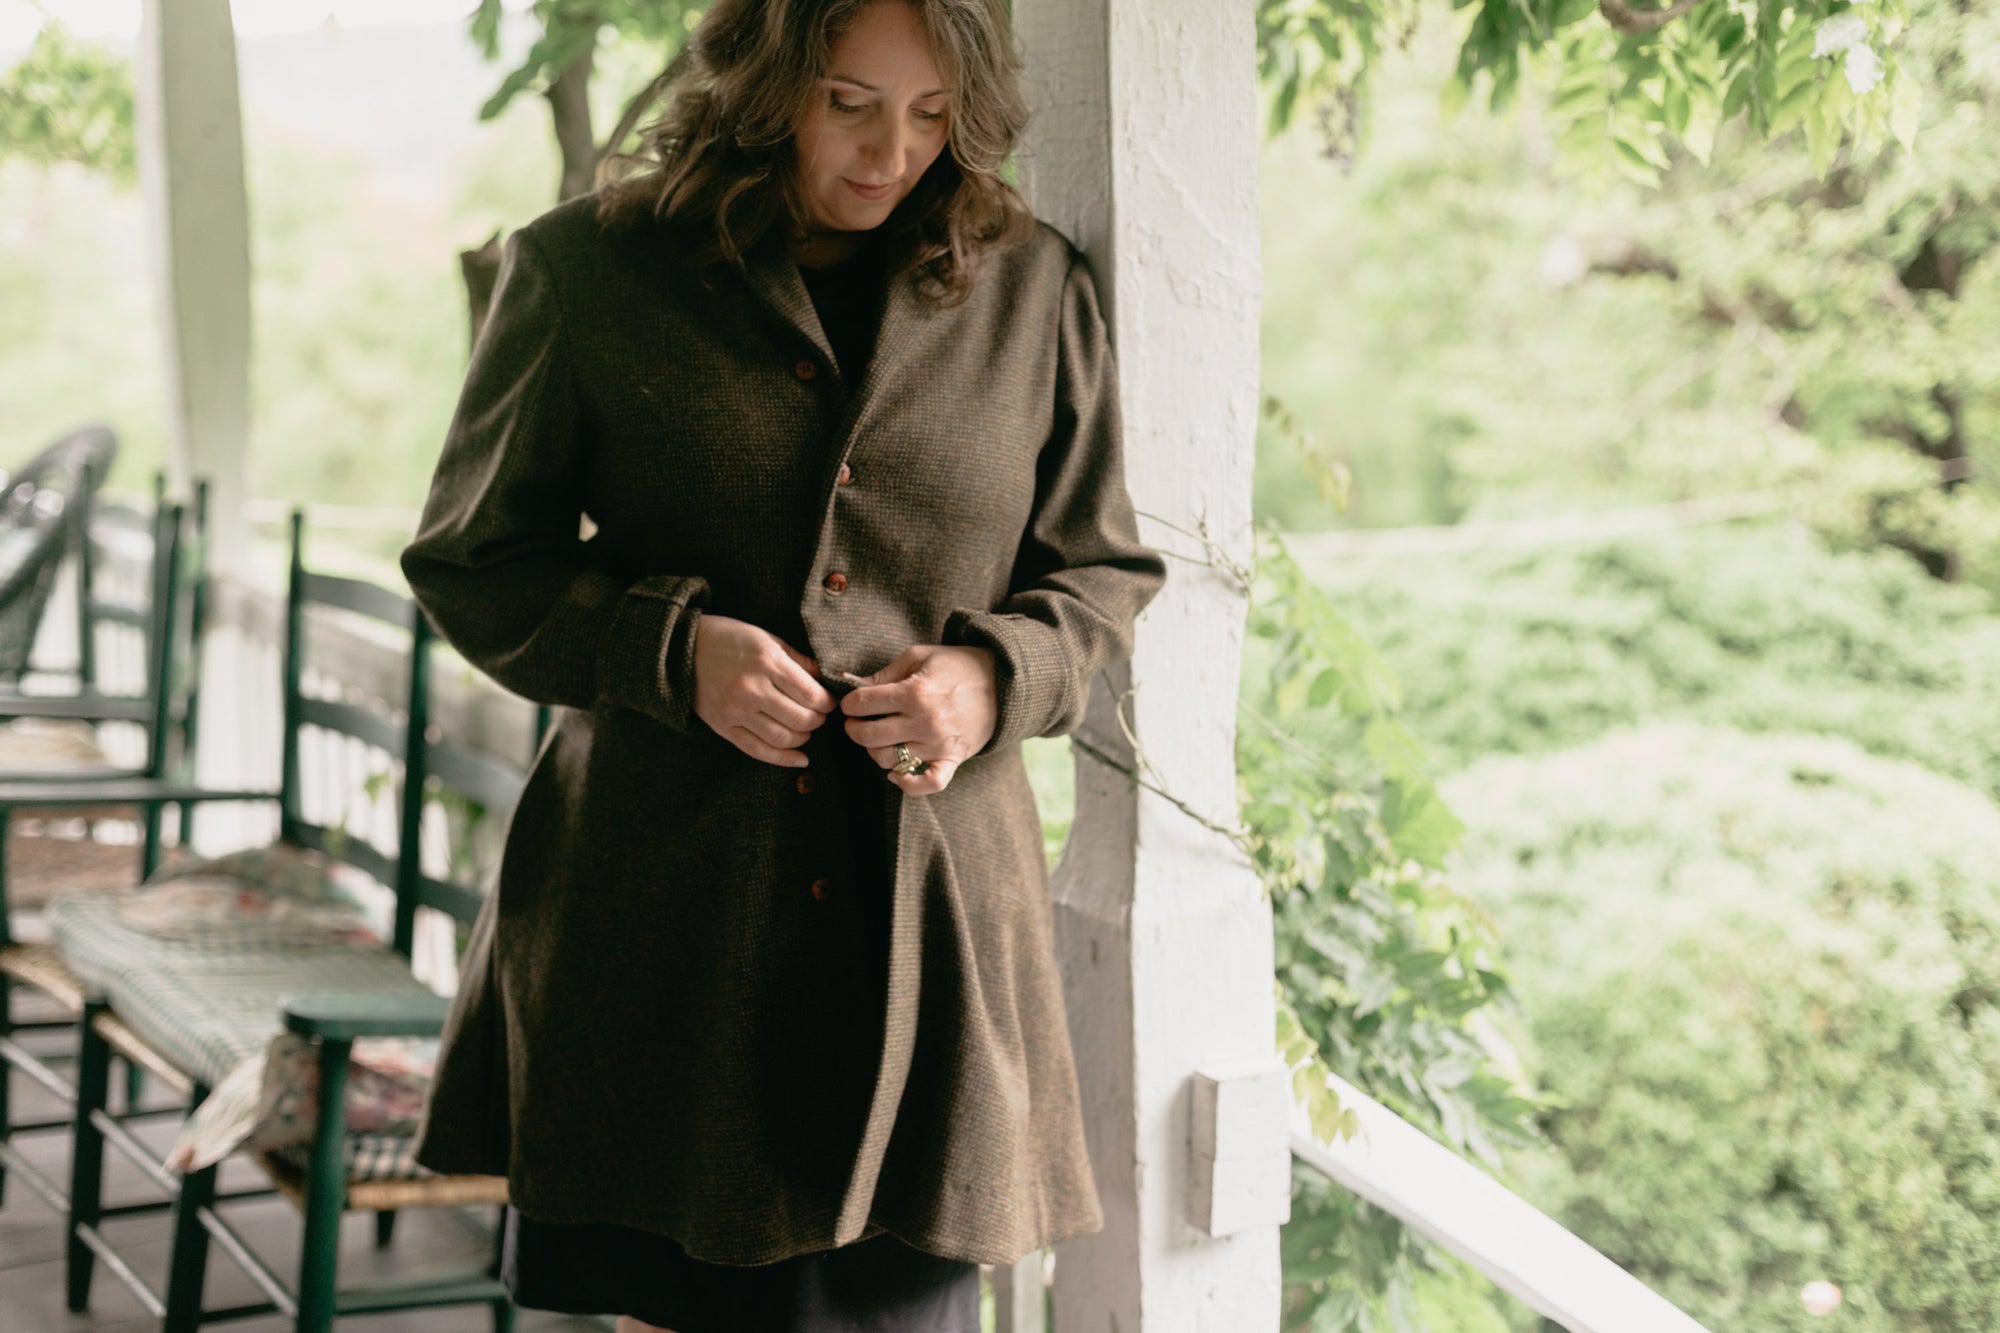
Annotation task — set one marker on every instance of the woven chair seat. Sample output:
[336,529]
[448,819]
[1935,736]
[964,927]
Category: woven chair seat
[42,863]
[206,1007]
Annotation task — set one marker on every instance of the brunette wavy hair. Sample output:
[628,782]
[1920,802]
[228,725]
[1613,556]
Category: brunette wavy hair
[721,159]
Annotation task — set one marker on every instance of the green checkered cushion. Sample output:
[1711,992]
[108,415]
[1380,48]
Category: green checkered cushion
[208,1006]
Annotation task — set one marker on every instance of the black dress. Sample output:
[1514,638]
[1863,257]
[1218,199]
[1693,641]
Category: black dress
[874,1285]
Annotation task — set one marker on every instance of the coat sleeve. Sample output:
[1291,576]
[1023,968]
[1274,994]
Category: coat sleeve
[497,561]
[1081,576]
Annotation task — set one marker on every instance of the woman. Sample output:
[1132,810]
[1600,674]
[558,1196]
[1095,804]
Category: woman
[844,418]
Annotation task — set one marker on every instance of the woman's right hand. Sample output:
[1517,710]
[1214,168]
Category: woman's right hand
[755,690]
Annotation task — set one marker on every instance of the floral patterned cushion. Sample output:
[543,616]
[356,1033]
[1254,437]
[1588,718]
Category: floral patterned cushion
[277,897]
[270,1101]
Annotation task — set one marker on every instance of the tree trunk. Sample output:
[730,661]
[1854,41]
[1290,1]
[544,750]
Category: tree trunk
[569,105]
[569,108]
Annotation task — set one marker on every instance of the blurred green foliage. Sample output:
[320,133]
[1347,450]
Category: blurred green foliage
[1485,335]
[68,101]
[1757,627]
[1631,80]
[1761,977]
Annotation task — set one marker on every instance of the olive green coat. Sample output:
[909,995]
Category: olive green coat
[664,1024]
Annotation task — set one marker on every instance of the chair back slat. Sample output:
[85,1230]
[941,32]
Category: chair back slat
[358,852]
[361,598]
[475,775]
[455,900]
[462,794]
[345,752]
[350,719]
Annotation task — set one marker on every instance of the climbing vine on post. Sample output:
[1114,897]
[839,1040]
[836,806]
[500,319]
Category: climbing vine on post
[1385,975]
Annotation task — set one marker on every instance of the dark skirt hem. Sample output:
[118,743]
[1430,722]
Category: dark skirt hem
[877,1285]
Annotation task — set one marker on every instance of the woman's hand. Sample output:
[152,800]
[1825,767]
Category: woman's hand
[941,702]
[755,690]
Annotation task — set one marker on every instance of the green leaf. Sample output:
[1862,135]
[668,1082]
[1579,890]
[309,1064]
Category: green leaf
[1699,135]
[1823,136]
[1453,96]
[1738,95]
[1677,108]
[1906,105]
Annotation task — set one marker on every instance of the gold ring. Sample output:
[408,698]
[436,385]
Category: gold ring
[907,762]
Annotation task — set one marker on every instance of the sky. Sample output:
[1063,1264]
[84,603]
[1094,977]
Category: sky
[118,20]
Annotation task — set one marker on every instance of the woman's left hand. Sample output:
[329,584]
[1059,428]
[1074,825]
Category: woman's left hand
[941,702]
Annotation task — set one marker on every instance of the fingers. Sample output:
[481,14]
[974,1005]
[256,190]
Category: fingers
[758,748]
[773,732]
[902,696]
[766,698]
[796,676]
[918,732]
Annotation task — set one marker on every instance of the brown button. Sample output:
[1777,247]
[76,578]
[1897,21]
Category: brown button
[822,887]
[806,368]
[805,783]
[836,581]
[845,476]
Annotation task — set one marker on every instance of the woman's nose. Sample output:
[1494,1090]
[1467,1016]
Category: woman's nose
[890,148]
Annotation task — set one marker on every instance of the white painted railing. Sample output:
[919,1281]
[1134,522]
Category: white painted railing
[1465,1212]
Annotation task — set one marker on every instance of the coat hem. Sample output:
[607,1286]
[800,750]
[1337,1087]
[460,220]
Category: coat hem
[915,1239]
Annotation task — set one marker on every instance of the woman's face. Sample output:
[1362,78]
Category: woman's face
[877,121]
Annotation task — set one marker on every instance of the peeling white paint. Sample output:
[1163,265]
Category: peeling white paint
[1144,152]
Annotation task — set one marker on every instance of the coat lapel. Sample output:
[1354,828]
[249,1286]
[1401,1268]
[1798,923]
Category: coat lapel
[775,279]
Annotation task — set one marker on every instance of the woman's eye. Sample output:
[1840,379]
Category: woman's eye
[833,101]
[932,116]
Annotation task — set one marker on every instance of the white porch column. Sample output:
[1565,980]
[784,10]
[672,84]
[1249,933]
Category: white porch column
[190,133]
[1144,151]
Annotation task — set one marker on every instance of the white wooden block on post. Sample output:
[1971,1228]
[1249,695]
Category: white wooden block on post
[1239,1146]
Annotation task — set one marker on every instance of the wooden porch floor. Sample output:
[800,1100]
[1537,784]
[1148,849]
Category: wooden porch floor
[31,1243]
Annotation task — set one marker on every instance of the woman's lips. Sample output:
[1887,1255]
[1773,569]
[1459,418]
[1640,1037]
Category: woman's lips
[869,191]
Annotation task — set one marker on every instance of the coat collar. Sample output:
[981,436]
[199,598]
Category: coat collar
[774,277]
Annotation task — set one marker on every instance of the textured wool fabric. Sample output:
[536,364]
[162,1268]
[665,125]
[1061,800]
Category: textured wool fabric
[669,1018]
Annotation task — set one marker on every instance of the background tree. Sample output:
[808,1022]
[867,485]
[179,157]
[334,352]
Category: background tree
[561,65]
[68,101]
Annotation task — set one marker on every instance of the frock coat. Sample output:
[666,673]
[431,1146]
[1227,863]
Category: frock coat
[667,1017]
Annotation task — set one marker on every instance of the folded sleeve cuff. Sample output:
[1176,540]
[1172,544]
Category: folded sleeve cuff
[1033,678]
[646,660]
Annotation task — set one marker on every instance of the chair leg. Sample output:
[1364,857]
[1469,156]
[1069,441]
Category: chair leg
[502,1310]
[86,1162]
[187,1268]
[6,1069]
[6,1005]
[325,1193]
[385,1228]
